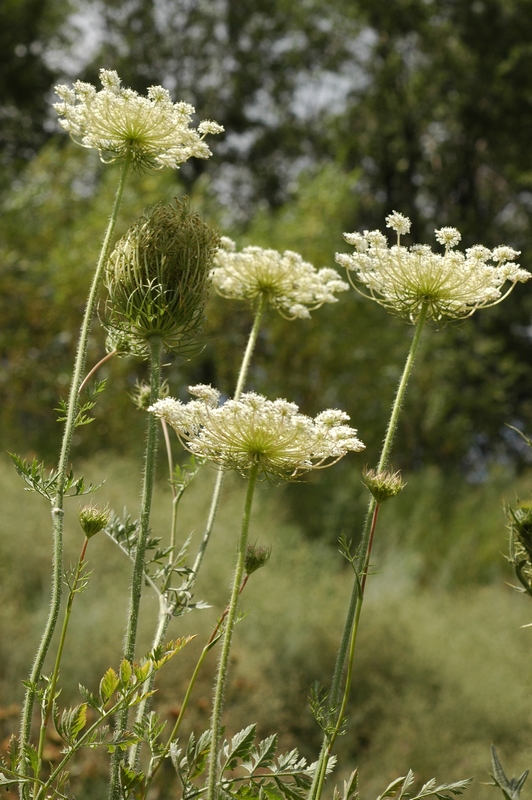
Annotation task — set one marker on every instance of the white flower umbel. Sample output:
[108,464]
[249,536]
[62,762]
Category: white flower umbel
[449,285]
[254,436]
[251,431]
[287,282]
[153,131]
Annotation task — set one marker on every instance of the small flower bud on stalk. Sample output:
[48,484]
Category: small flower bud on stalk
[257,556]
[383,485]
[142,393]
[158,278]
[93,519]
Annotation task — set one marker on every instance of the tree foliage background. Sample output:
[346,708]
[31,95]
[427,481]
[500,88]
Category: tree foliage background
[335,115]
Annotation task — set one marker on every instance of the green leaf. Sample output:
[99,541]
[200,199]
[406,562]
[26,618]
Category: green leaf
[138,698]
[262,756]
[90,698]
[240,747]
[71,722]
[350,788]
[13,751]
[108,685]
[442,791]
[125,673]
[143,671]
[270,791]
[200,760]
[122,741]
[175,754]
[33,758]
[132,782]
[289,791]
[164,653]
[34,475]
[78,721]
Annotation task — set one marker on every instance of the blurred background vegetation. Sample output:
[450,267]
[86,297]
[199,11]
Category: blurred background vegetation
[335,115]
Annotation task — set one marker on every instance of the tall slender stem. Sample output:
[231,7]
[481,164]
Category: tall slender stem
[164,615]
[242,376]
[55,673]
[252,341]
[57,504]
[176,497]
[150,460]
[166,608]
[212,641]
[360,564]
[221,677]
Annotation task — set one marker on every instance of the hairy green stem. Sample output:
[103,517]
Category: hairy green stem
[166,608]
[177,494]
[57,504]
[164,613]
[330,738]
[360,564]
[221,677]
[55,673]
[210,644]
[150,460]
[252,341]
[85,737]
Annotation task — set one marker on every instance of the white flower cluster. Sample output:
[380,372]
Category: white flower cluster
[291,285]
[119,122]
[254,431]
[450,284]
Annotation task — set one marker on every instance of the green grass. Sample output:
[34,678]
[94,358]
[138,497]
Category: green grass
[442,669]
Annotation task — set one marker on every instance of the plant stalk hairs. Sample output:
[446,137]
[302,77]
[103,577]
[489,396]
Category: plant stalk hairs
[158,277]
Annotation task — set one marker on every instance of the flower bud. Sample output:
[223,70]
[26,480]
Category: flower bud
[256,557]
[158,279]
[93,519]
[141,395]
[520,522]
[383,485]
[520,526]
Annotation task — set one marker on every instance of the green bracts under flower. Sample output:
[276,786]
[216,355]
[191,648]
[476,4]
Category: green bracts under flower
[520,527]
[157,278]
[384,484]
[93,519]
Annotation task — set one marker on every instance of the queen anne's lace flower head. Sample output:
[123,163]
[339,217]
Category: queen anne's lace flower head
[288,283]
[153,131]
[255,431]
[449,284]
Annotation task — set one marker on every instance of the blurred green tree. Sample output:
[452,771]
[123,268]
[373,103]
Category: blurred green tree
[29,30]
[335,116]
